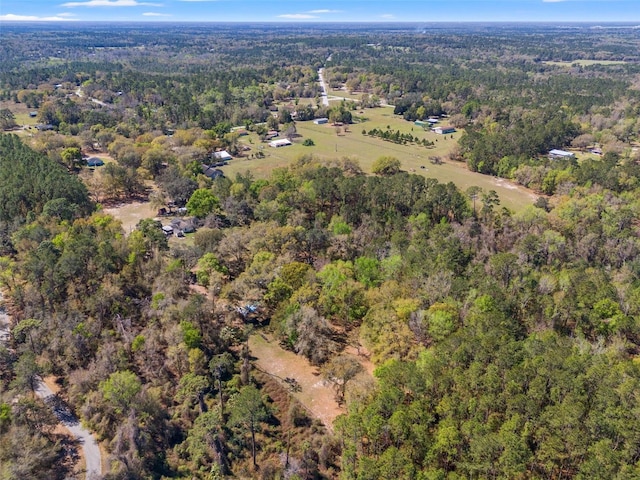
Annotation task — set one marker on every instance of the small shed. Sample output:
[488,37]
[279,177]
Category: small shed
[421,123]
[33,114]
[321,121]
[167,229]
[283,142]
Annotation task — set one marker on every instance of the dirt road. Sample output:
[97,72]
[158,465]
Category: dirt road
[88,442]
[62,412]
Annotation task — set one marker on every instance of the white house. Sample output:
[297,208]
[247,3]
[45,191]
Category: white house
[283,142]
[559,154]
[444,130]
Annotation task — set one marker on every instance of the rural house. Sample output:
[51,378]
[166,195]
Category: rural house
[560,154]
[444,130]
[283,142]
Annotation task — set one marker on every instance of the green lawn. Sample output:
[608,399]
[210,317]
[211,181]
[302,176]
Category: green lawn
[365,149]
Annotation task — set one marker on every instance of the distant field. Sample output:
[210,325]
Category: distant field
[365,149]
[344,94]
[586,63]
[21,112]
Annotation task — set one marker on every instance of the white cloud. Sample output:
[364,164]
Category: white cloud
[388,15]
[155,14]
[324,11]
[110,3]
[10,17]
[297,15]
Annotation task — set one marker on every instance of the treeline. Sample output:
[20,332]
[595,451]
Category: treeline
[31,184]
[412,108]
[516,83]
[497,148]
[395,136]
[610,171]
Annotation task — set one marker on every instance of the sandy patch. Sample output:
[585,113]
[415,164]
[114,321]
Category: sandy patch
[501,182]
[50,382]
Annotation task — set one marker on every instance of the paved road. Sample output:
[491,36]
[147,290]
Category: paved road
[84,436]
[80,93]
[323,86]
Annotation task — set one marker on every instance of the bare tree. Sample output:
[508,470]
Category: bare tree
[340,371]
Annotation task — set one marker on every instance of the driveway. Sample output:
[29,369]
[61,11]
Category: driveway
[62,412]
[82,435]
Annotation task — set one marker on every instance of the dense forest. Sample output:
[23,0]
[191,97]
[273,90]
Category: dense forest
[504,343]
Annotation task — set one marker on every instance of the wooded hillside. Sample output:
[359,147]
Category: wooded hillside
[503,344]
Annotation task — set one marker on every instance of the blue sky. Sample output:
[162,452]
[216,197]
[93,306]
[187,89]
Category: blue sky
[321,11]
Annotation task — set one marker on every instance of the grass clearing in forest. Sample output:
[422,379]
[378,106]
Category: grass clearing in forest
[586,63]
[316,395]
[330,144]
[131,213]
[21,113]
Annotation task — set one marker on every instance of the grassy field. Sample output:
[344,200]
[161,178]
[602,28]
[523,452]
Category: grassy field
[20,111]
[586,63]
[353,144]
[365,149]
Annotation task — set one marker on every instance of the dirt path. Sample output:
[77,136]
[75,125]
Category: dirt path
[316,395]
[509,185]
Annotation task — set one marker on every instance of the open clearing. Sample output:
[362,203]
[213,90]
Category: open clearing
[26,123]
[316,395]
[586,63]
[365,149]
[131,213]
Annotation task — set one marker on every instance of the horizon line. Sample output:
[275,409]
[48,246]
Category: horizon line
[284,22]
